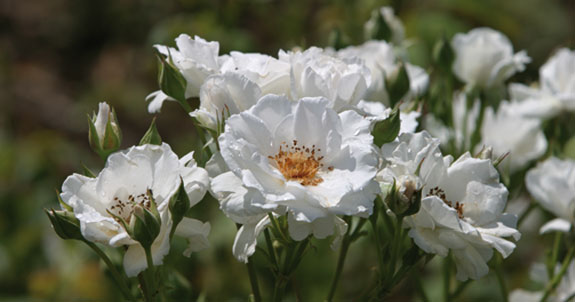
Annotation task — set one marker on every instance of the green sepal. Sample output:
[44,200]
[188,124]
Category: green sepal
[379,30]
[387,130]
[87,172]
[171,81]
[65,224]
[397,84]
[152,136]
[113,135]
[179,205]
[337,39]
[63,204]
[443,55]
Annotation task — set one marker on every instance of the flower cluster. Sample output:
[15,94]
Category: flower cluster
[316,142]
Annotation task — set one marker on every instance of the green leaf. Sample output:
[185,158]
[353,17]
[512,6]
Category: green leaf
[152,136]
[398,85]
[387,130]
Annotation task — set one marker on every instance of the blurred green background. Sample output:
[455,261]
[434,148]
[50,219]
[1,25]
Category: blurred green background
[59,58]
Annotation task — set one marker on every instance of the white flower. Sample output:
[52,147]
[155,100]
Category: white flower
[462,203]
[552,184]
[270,74]
[376,111]
[556,92]
[224,95]
[564,292]
[484,57]
[299,158]
[122,185]
[506,131]
[379,57]
[315,73]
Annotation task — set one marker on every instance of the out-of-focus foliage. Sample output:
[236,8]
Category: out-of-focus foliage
[59,58]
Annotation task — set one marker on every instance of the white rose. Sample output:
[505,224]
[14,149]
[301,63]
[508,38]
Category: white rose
[299,158]
[224,95]
[556,91]
[506,131]
[315,73]
[552,184]
[270,74]
[122,185]
[484,57]
[462,202]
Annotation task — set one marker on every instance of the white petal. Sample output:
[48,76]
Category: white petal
[246,239]
[196,232]
[557,224]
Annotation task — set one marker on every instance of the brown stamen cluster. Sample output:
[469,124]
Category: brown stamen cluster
[299,164]
[124,209]
[441,194]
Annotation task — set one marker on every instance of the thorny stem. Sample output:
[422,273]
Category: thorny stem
[121,279]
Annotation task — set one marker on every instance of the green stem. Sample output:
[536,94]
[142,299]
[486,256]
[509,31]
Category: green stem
[421,289]
[557,278]
[149,289]
[446,277]
[254,281]
[120,278]
[460,288]
[340,261]
[554,254]
[271,250]
[500,278]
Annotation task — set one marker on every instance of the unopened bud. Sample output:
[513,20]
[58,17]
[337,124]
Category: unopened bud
[405,200]
[105,135]
[66,225]
[486,152]
[144,226]
[443,55]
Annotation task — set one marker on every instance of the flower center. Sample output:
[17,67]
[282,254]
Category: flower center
[124,203]
[437,191]
[299,163]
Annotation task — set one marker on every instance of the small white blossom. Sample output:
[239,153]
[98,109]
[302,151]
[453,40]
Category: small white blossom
[484,57]
[122,186]
[462,203]
[296,158]
[379,57]
[552,184]
[556,91]
[315,73]
[506,131]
